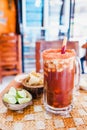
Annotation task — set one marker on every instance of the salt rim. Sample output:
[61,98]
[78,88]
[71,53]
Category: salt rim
[56,54]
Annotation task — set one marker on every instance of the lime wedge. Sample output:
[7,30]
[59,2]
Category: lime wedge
[21,93]
[9,98]
[23,100]
[12,91]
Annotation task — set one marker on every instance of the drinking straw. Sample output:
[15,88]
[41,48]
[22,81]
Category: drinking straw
[63,49]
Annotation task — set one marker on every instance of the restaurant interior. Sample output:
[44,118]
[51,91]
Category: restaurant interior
[43,65]
[31,21]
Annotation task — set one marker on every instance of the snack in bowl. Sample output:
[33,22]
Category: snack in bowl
[34,84]
[17,99]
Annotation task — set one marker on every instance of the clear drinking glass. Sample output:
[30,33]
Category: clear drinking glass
[59,76]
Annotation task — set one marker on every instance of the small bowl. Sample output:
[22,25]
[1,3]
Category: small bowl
[35,90]
[18,106]
[34,84]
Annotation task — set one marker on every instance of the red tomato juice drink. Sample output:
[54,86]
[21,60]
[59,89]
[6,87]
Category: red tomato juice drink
[59,71]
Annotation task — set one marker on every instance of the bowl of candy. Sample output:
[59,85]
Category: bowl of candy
[34,84]
[17,99]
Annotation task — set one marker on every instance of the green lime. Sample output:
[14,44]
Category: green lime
[12,91]
[9,98]
[23,100]
[21,93]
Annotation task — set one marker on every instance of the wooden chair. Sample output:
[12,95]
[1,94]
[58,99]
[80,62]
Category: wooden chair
[42,45]
[10,55]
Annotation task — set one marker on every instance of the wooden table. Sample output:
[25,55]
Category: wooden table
[35,117]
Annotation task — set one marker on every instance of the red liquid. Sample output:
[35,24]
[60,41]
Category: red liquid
[59,78]
[59,87]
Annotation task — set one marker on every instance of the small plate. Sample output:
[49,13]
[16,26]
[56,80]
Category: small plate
[20,77]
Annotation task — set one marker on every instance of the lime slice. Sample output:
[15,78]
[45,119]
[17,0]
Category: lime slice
[12,91]
[23,100]
[21,93]
[9,98]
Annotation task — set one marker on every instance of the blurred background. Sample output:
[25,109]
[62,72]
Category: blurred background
[44,20]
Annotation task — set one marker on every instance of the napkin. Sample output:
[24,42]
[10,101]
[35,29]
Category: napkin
[83,83]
